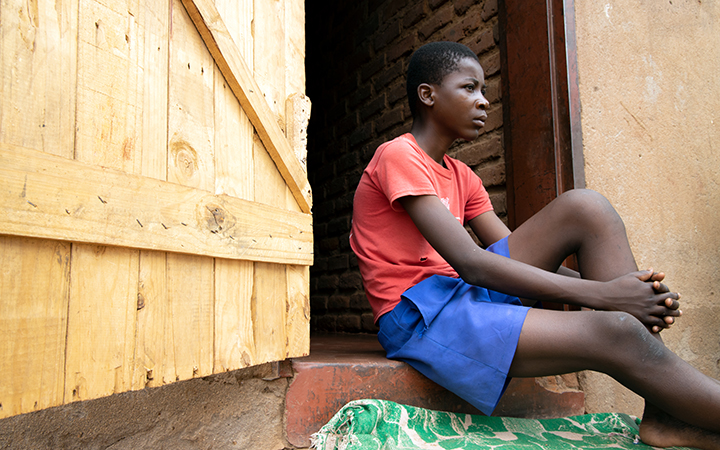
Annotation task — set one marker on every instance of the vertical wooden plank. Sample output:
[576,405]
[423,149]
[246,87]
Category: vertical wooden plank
[107,95]
[294,47]
[296,119]
[190,279]
[234,337]
[190,294]
[154,355]
[270,286]
[101,321]
[269,53]
[238,18]
[33,323]
[154,33]
[190,115]
[38,66]
[38,57]
[298,311]
[153,364]
[233,144]
[269,312]
[234,174]
[104,280]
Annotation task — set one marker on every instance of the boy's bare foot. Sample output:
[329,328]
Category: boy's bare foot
[659,429]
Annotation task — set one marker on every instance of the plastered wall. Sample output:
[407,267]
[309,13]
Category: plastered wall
[649,76]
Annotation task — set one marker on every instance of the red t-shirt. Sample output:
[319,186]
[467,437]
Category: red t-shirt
[392,254]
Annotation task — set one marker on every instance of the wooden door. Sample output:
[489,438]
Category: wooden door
[156,217]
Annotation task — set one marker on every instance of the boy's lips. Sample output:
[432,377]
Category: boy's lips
[480,120]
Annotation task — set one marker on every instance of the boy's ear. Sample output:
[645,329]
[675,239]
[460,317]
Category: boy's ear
[426,94]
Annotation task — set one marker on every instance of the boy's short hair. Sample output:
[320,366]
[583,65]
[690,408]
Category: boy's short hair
[431,63]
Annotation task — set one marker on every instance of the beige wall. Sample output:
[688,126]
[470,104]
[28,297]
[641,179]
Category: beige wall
[650,98]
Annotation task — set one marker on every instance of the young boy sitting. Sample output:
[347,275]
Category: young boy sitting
[450,308]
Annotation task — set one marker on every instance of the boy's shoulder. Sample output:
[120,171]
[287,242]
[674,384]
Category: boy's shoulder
[399,147]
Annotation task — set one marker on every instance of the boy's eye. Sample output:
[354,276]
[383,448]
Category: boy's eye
[483,91]
[470,87]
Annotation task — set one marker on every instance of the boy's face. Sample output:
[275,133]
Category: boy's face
[459,103]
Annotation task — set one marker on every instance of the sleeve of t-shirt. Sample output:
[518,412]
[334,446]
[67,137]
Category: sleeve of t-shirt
[478,200]
[401,172]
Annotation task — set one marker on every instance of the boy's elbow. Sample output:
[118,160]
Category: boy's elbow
[470,275]
[473,268]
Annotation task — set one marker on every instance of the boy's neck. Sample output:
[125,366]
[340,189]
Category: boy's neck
[430,142]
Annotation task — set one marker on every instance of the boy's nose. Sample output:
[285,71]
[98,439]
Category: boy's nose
[482,103]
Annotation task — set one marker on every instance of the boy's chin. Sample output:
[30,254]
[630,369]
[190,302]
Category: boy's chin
[470,136]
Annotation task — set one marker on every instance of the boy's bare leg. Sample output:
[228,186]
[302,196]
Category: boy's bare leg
[555,342]
[580,222]
[660,429]
[584,223]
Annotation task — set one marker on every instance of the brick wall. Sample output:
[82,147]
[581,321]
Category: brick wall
[357,55]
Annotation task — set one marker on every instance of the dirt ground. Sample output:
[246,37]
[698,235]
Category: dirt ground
[235,410]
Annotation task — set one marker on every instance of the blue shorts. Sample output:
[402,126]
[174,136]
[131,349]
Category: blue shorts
[461,336]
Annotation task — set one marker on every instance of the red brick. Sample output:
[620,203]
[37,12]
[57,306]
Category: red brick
[461,29]
[493,92]
[329,244]
[359,301]
[402,48]
[495,118]
[318,303]
[387,35]
[393,72]
[373,107]
[490,9]
[434,4]
[346,124]
[436,21]
[360,135]
[367,323]
[415,14]
[389,119]
[461,6]
[391,7]
[488,147]
[492,174]
[348,323]
[482,42]
[328,282]
[326,323]
[338,302]
[351,280]
[366,30]
[397,92]
[491,63]
[361,56]
[338,262]
[374,66]
[499,202]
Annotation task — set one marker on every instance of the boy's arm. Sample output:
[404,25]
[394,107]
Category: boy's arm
[448,237]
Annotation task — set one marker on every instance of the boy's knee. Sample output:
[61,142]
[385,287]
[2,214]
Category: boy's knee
[586,198]
[591,205]
[623,329]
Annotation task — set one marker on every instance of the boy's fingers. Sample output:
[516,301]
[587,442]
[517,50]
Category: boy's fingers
[671,303]
[657,276]
[660,288]
[644,275]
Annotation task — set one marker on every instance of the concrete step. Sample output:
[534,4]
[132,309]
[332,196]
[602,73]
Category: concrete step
[347,367]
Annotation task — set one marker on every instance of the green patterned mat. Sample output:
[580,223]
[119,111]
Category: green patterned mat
[385,425]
